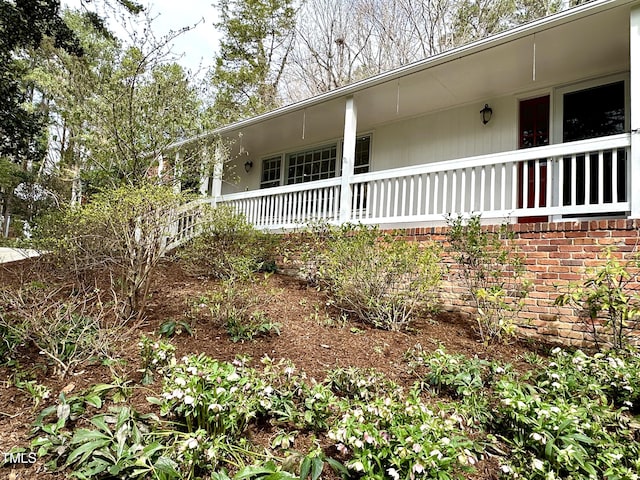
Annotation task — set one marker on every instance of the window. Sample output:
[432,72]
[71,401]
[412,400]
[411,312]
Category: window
[312,165]
[270,172]
[363,152]
[593,112]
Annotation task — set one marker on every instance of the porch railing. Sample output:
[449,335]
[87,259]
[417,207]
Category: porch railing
[551,182]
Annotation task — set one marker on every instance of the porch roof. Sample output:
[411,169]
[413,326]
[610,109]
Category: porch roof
[583,42]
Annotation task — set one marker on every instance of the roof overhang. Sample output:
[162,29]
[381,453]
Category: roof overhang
[583,42]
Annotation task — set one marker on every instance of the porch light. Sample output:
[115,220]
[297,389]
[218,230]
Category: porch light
[248,165]
[486,113]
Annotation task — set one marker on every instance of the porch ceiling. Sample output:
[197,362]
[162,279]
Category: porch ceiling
[572,48]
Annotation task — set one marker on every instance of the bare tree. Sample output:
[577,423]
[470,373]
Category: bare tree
[342,41]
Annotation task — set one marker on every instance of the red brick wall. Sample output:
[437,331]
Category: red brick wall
[556,254]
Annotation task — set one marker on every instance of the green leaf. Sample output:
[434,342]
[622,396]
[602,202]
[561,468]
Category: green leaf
[85,450]
[305,467]
[316,468]
[94,400]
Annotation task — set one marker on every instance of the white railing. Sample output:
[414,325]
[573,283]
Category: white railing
[290,206]
[184,223]
[556,181]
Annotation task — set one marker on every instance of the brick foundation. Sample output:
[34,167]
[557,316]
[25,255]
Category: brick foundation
[556,254]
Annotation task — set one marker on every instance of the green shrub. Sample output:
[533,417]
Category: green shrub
[379,278]
[120,234]
[492,271]
[387,438]
[228,247]
[606,297]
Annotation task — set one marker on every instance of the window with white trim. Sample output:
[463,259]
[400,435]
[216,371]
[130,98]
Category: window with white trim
[311,165]
[271,172]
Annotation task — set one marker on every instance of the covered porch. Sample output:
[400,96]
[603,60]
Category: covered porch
[429,155]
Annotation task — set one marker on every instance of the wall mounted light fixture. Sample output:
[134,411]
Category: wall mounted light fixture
[486,113]
[248,165]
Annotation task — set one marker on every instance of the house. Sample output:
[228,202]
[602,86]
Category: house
[536,124]
[539,125]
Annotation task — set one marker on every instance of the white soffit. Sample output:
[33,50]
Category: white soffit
[584,42]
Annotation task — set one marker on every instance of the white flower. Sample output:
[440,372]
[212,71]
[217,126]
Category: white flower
[436,453]
[556,350]
[537,464]
[220,391]
[192,370]
[538,438]
[555,385]
[189,400]
[445,441]
[181,382]
[233,377]
[358,466]
[368,438]
[342,448]
[268,390]
[358,443]
[418,468]
[555,376]
[505,468]
[393,473]
[628,403]
[289,370]
[177,393]
[192,443]
[417,447]
[215,407]
[499,370]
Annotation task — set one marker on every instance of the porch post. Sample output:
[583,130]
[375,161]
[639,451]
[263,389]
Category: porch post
[348,158]
[216,181]
[177,173]
[634,161]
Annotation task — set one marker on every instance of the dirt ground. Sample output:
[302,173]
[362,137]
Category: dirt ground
[308,337]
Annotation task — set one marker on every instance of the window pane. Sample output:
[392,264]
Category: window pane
[312,165]
[270,172]
[594,112]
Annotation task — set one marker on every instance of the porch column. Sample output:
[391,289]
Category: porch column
[634,180]
[177,173]
[216,180]
[348,158]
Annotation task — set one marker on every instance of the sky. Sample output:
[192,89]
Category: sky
[196,47]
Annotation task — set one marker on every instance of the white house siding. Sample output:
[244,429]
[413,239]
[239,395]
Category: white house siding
[446,135]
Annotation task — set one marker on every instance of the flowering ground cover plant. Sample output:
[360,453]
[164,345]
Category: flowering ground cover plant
[535,424]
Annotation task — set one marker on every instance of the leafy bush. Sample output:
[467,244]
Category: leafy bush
[614,375]
[361,384]
[228,247]
[563,425]
[606,295]
[454,375]
[378,277]
[386,438]
[156,356]
[121,233]
[492,272]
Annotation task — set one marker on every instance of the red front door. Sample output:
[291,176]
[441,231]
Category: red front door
[533,132]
